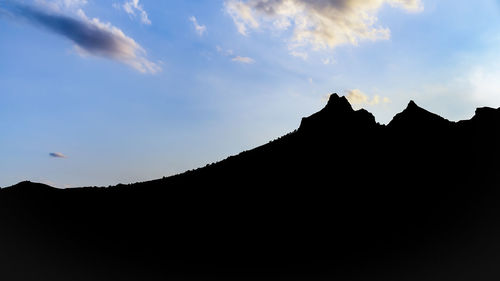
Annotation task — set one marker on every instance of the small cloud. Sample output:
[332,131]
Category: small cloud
[243,60]
[130,7]
[358,98]
[302,55]
[90,36]
[310,80]
[57,155]
[199,28]
[220,50]
[230,53]
[327,61]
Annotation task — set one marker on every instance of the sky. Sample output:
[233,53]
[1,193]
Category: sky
[95,93]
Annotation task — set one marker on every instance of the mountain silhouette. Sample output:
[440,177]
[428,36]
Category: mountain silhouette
[342,197]
[417,118]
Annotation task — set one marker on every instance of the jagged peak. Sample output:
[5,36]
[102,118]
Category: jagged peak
[338,112]
[412,104]
[412,108]
[414,115]
[338,102]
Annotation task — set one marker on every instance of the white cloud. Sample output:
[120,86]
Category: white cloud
[328,61]
[319,24]
[243,60]
[73,3]
[61,5]
[302,55]
[223,52]
[357,98]
[230,53]
[133,6]
[199,28]
[242,15]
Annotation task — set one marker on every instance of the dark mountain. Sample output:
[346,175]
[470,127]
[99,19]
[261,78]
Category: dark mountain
[340,198]
[416,118]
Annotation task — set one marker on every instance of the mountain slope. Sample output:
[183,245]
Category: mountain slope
[341,197]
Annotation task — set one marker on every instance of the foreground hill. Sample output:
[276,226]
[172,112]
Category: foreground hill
[341,198]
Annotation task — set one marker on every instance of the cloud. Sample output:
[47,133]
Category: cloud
[319,24]
[59,5]
[243,60]
[57,155]
[130,7]
[90,36]
[199,28]
[358,98]
[302,55]
[230,53]
[327,61]
[223,52]
[242,15]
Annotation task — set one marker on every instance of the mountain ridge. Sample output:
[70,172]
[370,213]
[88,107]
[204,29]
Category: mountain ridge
[342,197]
[339,112]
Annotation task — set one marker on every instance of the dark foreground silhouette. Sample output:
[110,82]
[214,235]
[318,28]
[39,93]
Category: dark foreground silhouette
[341,198]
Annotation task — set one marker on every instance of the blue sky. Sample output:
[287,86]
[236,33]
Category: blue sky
[126,91]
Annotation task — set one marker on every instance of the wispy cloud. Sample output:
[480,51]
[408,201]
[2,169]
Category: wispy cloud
[302,55]
[242,15]
[357,98]
[328,61]
[133,6]
[243,59]
[57,155]
[230,53]
[200,29]
[319,24]
[90,36]
[223,52]
[59,5]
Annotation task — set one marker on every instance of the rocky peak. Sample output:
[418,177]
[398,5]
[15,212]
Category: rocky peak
[414,116]
[337,113]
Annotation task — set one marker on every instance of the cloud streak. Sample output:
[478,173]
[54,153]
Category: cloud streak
[57,155]
[246,60]
[200,29]
[130,7]
[320,24]
[90,36]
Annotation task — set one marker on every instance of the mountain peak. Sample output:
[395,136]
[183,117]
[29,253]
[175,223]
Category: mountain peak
[413,116]
[412,105]
[338,103]
[339,113]
[27,186]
